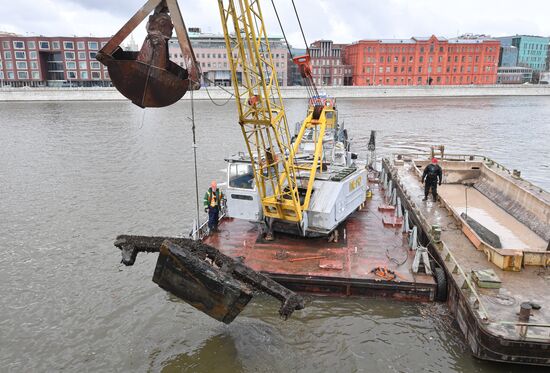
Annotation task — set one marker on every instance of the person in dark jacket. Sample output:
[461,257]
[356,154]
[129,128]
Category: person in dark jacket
[431,177]
[212,204]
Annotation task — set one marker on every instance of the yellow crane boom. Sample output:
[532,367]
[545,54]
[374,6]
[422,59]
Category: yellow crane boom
[262,115]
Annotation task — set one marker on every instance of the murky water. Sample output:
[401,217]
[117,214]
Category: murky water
[74,175]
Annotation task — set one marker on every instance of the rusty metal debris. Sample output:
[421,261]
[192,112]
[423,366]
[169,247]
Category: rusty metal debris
[148,77]
[201,275]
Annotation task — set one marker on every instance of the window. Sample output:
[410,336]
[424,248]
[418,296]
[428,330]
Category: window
[19,55]
[1,74]
[81,55]
[71,65]
[18,45]
[92,55]
[35,75]
[44,44]
[31,45]
[95,65]
[55,45]
[410,58]
[33,55]
[419,69]
[93,45]
[241,176]
[387,69]
[11,75]
[421,59]
[9,65]
[7,55]
[82,65]
[83,75]
[34,65]
[6,44]
[69,55]
[80,45]
[68,45]
[23,75]
[96,75]
[0,65]
[71,74]
[21,65]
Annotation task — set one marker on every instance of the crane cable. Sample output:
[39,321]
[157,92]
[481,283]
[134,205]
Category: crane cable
[310,84]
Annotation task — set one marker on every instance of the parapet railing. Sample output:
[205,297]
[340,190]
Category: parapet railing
[202,231]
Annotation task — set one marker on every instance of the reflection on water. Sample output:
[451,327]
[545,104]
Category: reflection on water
[75,175]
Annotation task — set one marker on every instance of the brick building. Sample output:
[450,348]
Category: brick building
[51,61]
[424,61]
[211,54]
[327,63]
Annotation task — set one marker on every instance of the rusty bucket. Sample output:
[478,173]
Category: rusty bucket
[144,84]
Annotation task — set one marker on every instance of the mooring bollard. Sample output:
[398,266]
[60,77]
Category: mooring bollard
[436,233]
[398,211]
[406,222]
[412,239]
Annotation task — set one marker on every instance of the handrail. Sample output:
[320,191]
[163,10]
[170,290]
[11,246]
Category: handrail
[477,303]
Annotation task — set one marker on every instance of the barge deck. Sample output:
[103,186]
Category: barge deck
[333,268]
[489,318]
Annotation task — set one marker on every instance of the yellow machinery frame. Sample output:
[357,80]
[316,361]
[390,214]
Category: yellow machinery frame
[261,112]
[262,115]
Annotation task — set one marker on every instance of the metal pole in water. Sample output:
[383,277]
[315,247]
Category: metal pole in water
[195,157]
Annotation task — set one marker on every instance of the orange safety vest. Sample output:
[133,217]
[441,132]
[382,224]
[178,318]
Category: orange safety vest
[212,199]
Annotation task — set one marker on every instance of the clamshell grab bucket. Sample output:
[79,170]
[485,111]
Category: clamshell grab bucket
[144,84]
[148,78]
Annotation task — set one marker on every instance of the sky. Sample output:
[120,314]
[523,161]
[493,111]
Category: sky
[342,21]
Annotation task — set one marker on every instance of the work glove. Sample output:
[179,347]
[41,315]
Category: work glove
[206,209]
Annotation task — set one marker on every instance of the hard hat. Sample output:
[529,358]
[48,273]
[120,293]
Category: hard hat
[434,160]
[214,184]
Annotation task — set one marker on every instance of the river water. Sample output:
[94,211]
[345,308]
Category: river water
[74,175]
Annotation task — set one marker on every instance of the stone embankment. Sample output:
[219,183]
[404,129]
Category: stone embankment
[111,94]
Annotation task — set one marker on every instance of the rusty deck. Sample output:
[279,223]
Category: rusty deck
[335,268]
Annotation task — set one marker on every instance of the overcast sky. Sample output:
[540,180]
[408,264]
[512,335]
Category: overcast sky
[343,21]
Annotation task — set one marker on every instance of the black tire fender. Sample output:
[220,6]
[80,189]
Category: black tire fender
[441,282]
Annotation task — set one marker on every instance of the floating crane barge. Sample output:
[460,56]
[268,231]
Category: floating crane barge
[304,215]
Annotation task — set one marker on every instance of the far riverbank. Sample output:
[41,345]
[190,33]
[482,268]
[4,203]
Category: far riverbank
[111,94]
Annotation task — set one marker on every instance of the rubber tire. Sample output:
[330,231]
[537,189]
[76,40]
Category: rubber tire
[441,281]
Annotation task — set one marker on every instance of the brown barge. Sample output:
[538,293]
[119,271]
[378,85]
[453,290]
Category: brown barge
[504,316]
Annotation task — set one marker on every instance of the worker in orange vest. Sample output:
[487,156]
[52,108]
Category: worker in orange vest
[212,205]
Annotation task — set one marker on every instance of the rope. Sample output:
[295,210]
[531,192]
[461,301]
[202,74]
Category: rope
[219,86]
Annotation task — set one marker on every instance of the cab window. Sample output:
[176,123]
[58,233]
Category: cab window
[241,176]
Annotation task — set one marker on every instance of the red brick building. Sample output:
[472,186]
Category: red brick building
[51,61]
[327,64]
[424,61]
